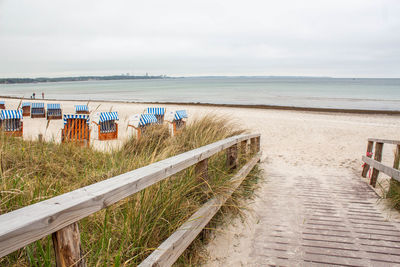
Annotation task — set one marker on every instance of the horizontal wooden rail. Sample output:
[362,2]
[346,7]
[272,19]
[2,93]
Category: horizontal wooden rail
[376,164]
[26,225]
[386,141]
[395,174]
[170,250]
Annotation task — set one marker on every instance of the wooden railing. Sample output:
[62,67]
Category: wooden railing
[59,215]
[376,164]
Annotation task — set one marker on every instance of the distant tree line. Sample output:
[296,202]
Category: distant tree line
[75,79]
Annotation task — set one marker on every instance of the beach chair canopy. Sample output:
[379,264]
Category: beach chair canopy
[175,115]
[106,116]
[37,105]
[81,108]
[155,111]
[10,114]
[2,103]
[76,116]
[180,114]
[26,104]
[142,119]
[53,106]
[147,119]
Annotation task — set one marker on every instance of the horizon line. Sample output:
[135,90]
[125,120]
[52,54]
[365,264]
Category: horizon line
[194,76]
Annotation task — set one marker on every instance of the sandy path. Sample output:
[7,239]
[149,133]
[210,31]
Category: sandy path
[309,155]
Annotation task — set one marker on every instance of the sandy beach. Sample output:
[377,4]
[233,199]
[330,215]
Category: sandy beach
[292,142]
[316,138]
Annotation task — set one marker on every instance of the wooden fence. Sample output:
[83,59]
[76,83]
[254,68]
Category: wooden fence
[376,164]
[59,216]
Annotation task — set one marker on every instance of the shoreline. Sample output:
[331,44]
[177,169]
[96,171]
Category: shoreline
[256,106]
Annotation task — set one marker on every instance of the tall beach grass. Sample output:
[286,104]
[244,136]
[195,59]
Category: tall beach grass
[125,233]
[394,186]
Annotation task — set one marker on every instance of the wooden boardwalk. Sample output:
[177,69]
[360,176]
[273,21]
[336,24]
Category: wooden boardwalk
[326,220]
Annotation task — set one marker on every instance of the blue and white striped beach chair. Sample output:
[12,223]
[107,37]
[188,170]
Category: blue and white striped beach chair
[177,120]
[107,126]
[37,110]
[81,109]
[11,122]
[26,109]
[54,112]
[139,122]
[158,112]
[76,128]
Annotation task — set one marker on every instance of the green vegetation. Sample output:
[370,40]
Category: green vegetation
[394,186]
[394,193]
[125,233]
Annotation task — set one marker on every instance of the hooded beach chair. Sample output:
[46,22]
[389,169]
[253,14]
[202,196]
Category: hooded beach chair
[2,105]
[37,110]
[76,129]
[106,127]
[81,109]
[11,122]
[26,109]
[176,120]
[158,112]
[54,112]
[139,122]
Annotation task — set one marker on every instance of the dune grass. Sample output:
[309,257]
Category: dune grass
[125,233]
[393,193]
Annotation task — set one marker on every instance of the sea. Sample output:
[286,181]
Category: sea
[337,93]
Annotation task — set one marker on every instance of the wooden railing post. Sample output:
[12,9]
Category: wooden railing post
[232,157]
[258,143]
[67,247]
[377,157]
[396,160]
[253,145]
[243,148]
[202,169]
[369,154]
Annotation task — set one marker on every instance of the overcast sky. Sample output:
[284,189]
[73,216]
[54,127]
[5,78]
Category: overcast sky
[339,38]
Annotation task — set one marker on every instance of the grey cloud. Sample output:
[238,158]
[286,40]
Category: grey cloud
[328,38]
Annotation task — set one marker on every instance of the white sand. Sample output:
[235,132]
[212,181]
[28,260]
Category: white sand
[295,144]
[294,137]
[291,141]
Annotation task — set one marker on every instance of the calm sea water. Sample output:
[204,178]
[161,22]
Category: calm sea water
[377,94]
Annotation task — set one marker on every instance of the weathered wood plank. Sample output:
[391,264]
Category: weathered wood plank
[232,157]
[67,247]
[369,154]
[26,225]
[395,174]
[202,170]
[396,160]
[377,157]
[169,251]
[243,148]
[258,143]
[253,145]
[386,141]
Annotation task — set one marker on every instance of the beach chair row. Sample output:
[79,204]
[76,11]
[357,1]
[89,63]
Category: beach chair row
[37,110]
[77,126]
[53,111]
[105,126]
